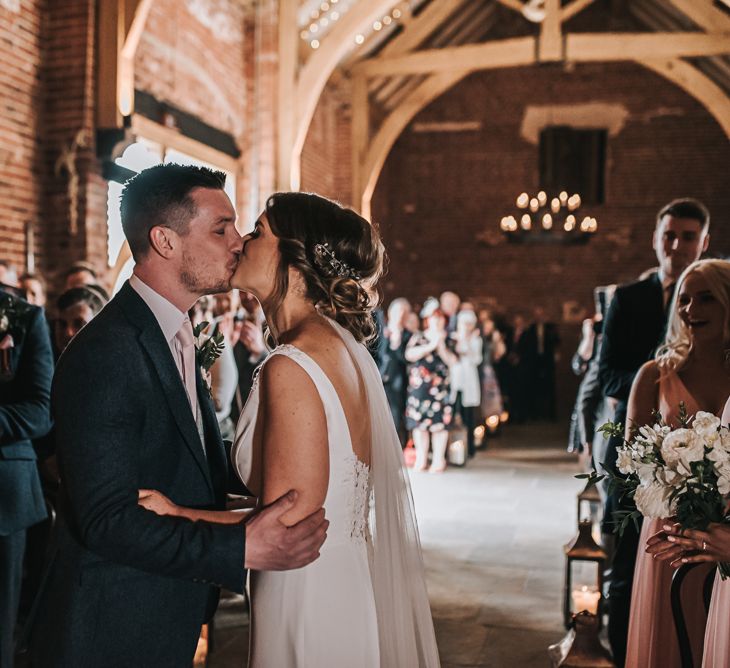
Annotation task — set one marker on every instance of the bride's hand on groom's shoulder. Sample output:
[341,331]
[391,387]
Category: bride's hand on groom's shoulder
[157,502]
[271,545]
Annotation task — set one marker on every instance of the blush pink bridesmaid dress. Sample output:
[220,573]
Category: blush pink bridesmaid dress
[652,641]
[717,633]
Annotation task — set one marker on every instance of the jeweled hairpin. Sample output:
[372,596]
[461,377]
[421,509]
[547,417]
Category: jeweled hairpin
[327,261]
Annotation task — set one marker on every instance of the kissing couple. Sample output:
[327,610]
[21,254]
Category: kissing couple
[144,542]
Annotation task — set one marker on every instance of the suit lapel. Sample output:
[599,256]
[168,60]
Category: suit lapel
[213,443]
[154,344]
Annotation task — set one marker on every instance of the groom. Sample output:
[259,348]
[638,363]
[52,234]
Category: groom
[127,587]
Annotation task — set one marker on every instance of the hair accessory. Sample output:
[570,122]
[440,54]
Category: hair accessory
[327,261]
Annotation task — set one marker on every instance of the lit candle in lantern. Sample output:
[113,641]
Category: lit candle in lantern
[492,423]
[586,598]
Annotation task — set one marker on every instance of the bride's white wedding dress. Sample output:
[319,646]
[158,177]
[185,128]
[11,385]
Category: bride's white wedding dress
[363,603]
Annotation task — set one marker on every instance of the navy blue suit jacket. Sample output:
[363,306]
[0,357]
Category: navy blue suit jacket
[127,587]
[632,332]
[25,414]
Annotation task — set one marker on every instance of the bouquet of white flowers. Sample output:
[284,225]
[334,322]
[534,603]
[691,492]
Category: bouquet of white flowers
[682,473]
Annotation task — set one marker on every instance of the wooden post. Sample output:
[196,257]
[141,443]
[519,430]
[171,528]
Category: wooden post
[287,178]
[360,135]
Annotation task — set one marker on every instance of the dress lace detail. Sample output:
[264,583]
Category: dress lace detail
[360,499]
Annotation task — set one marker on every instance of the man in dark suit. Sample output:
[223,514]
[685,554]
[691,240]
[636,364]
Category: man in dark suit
[634,328]
[127,587]
[539,346]
[26,368]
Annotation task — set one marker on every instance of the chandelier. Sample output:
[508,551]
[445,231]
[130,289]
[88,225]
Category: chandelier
[548,220]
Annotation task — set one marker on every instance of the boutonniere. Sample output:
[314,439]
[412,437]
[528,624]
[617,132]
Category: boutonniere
[12,326]
[207,350]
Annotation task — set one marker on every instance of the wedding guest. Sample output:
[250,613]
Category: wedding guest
[689,368]
[26,368]
[393,365]
[76,307]
[449,303]
[633,328]
[589,403]
[429,411]
[690,546]
[80,274]
[466,394]
[412,322]
[249,349]
[224,373]
[34,287]
[539,351]
[592,407]
[519,370]
[493,352]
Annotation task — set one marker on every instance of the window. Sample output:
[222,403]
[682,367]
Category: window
[136,157]
[573,160]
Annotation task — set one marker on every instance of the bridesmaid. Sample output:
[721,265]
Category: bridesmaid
[690,367]
[687,547]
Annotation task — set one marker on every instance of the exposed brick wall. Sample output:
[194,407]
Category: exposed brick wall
[191,54]
[47,166]
[20,100]
[326,161]
[74,201]
[439,191]
[204,57]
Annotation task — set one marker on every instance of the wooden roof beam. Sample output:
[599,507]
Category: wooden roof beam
[580,47]
[704,14]
[421,27]
[550,45]
[318,69]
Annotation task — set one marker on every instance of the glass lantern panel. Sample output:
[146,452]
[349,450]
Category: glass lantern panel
[584,592]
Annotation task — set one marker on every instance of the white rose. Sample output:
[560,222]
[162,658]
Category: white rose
[718,454]
[706,424]
[625,461]
[682,447]
[652,500]
[724,439]
[723,477]
[723,485]
[646,472]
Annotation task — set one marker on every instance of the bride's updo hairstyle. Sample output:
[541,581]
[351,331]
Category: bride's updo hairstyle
[337,252]
[675,351]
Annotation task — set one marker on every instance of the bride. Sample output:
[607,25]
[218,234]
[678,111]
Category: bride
[317,421]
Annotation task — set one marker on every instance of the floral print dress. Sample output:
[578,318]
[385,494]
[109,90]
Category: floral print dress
[428,406]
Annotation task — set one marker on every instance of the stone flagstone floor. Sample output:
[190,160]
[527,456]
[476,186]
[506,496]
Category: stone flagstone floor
[492,537]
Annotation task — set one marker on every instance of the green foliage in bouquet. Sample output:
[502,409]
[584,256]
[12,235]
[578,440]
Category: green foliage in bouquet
[682,473]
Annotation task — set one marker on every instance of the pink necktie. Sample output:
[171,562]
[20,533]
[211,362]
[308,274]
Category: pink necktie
[186,343]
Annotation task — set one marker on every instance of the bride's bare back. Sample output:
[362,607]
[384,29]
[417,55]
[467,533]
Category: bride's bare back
[290,440]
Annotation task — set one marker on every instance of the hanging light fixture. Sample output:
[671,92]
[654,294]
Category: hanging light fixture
[546,218]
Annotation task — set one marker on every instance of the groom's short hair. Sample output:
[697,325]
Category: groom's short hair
[160,195]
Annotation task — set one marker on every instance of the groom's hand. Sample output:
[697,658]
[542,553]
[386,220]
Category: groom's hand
[273,546]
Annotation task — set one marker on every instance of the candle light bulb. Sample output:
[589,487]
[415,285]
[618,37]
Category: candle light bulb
[555,205]
[534,204]
[563,197]
[523,200]
[547,221]
[542,197]
[526,222]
